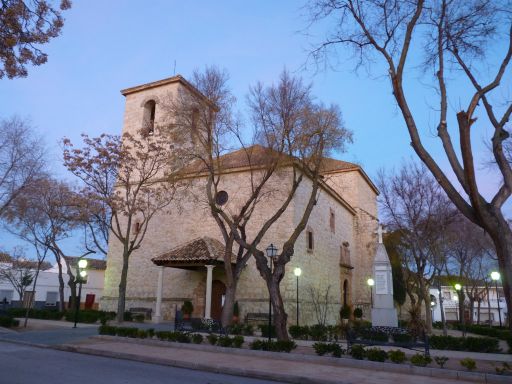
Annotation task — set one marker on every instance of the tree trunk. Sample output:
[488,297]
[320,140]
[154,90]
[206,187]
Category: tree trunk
[441,309]
[428,311]
[488,304]
[61,285]
[471,310]
[229,302]
[121,302]
[503,242]
[278,312]
[478,312]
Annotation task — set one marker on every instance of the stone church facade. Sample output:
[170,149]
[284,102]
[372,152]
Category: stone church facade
[181,256]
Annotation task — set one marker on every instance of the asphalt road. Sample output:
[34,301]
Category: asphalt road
[21,364]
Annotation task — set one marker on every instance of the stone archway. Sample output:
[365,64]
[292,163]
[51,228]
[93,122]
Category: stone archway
[218,292]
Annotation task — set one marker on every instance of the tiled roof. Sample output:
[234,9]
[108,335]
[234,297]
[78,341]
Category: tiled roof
[96,264]
[258,155]
[200,250]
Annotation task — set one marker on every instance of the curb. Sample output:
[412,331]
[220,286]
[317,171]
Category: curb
[320,360]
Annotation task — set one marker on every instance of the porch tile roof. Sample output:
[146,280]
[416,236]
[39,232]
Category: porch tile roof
[202,250]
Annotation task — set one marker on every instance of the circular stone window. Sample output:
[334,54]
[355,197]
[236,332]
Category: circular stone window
[221,198]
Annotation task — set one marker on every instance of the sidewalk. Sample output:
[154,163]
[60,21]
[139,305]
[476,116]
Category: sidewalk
[292,368]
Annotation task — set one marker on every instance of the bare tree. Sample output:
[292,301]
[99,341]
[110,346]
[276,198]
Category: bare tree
[44,215]
[25,26]
[19,272]
[457,38]
[21,159]
[415,206]
[320,300]
[292,136]
[128,180]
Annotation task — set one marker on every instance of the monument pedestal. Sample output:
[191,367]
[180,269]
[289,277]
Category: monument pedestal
[383,310]
[384,317]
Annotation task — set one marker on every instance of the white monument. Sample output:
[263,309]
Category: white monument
[383,310]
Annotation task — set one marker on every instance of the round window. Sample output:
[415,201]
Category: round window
[221,198]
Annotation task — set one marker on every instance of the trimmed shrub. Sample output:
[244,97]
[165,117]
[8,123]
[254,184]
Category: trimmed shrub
[142,333]
[299,332]
[107,330]
[397,356]
[225,341]
[318,332]
[441,360]
[8,322]
[333,348]
[376,354]
[402,338]
[420,360]
[197,338]
[151,332]
[45,314]
[264,330]
[126,332]
[345,312]
[472,344]
[358,313]
[274,346]
[238,341]
[468,363]
[241,329]
[127,316]
[357,352]
[212,339]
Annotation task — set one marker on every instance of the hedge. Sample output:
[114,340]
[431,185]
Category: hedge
[274,346]
[8,322]
[471,344]
[46,314]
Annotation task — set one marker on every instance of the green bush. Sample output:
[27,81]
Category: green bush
[187,308]
[376,354]
[505,367]
[358,313]
[212,339]
[86,316]
[274,346]
[441,360]
[45,314]
[238,341]
[357,352]
[420,360]
[151,332]
[126,332]
[333,348]
[225,341]
[241,329]
[472,344]
[142,334]
[299,332]
[318,332]
[181,337]
[396,356]
[127,316]
[162,335]
[197,338]
[499,333]
[468,363]
[8,322]
[107,330]
[264,330]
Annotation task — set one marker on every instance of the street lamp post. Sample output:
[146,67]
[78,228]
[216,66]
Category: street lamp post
[81,274]
[371,283]
[496,276]
[271,253]
[297,272]
[458,288]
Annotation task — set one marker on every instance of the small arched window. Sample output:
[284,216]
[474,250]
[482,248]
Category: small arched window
[148,124]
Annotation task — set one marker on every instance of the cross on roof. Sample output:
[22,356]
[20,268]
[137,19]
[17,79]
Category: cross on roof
[379,232]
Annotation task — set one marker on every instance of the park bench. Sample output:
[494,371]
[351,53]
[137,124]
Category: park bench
[261,318]
[146,312]
[389,337]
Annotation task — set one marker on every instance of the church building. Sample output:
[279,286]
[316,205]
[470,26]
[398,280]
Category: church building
[181,257]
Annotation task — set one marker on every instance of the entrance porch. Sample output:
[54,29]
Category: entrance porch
[201,254]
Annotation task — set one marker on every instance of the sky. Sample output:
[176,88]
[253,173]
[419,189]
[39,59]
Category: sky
[106,46]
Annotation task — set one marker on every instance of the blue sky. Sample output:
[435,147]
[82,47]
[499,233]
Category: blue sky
[109,45]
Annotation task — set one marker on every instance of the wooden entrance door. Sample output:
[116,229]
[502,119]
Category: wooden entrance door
[218,292]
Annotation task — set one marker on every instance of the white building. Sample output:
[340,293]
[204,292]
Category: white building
[47,288]
[451,305]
